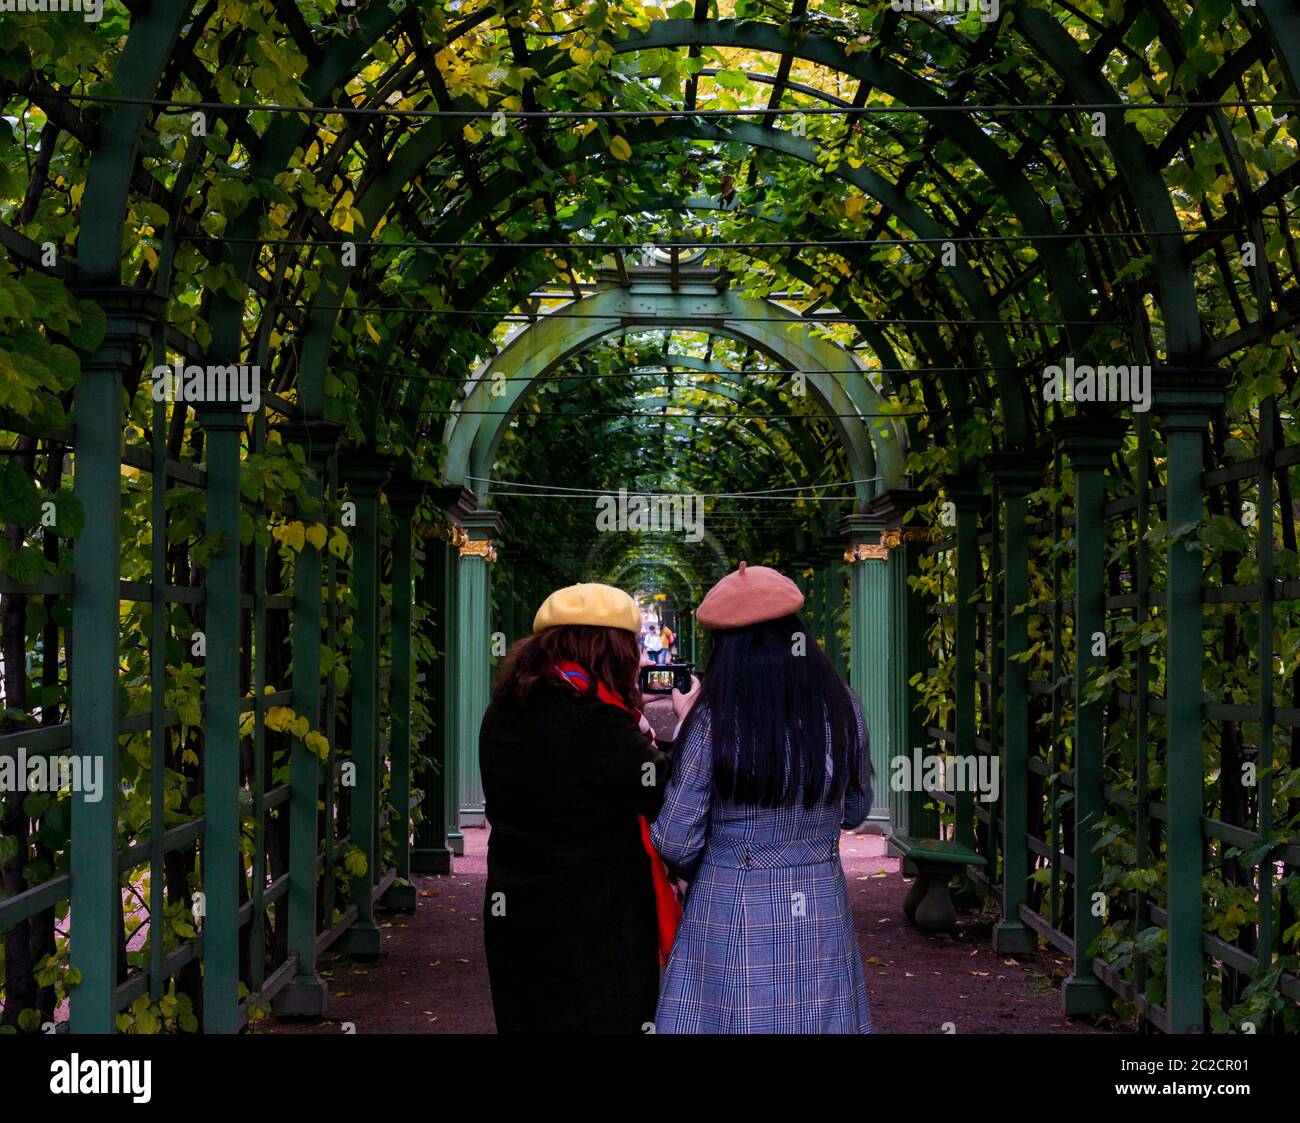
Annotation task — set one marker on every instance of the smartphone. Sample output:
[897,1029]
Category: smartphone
[666,678]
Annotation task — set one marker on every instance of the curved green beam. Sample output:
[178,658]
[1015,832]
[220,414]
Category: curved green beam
[1020,194]
[472,438]
[974,290]
[1058,52]
[795,439]
[759,37]
[628,539]
[684,588]
[1134,162]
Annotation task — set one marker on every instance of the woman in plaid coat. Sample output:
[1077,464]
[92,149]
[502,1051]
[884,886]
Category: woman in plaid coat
[752,819]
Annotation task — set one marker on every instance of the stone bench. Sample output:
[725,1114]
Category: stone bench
[928,904]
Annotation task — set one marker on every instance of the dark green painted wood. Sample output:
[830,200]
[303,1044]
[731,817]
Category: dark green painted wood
[365,475]
[96,896]
[868,663]
[936,850]
[966,496]
[1184,399]
[223,863]
[403,498]
[1017,476]
[431,853]
[305,994]
[1089,444]
[450,672]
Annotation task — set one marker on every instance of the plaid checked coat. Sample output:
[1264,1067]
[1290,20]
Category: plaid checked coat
[767,943]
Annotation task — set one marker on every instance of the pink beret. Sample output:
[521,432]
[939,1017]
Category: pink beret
[749,596]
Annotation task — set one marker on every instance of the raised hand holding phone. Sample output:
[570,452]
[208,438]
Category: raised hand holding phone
[682,703]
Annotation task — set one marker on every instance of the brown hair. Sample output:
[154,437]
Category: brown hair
[609,655]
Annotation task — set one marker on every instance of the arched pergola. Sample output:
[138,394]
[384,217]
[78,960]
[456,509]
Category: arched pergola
[920,214]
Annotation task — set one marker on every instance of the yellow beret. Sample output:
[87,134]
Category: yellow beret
[601,606]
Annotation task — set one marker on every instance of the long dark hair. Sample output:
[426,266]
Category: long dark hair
[609,655]
[775,704]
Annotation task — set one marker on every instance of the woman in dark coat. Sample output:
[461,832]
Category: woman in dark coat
[570,923]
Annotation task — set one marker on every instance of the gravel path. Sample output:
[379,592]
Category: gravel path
[433,979]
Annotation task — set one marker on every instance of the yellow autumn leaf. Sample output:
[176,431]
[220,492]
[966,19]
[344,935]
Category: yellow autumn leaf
[854,206]
[620,149]
[291,534]
[317,534]
[278,718]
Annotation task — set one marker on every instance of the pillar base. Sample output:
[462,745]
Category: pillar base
[1010,937]
[399,897]
[361,941]
[433,859]
[302,997]
[1082,995]
[456,843]
[473,817]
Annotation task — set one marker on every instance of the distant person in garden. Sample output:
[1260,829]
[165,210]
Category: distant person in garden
[579,912]
[668,639]
[771,762]
[654,644]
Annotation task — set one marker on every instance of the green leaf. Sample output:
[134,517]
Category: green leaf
[91,326]
[69,514]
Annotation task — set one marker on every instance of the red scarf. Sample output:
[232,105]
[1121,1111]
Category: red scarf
[668,904]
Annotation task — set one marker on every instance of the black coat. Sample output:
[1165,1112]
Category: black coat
[569,913]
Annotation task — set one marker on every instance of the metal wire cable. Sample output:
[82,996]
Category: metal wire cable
[173,105]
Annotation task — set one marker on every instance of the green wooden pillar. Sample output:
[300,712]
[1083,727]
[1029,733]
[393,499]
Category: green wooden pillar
[834,607]
[913,660]
[305,994]
[450,685]
[404,494]
[869,663]
[432,854]
[509,610]
[473,636]
[1185,400]
[222,859]
[903,812]
[966,496]
[97,474]
[364,474]
[1089,443]
[1017,474]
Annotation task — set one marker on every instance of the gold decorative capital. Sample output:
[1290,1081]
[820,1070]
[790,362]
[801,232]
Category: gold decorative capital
[864,552]
[901,536]
[480,549]
[457,535]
